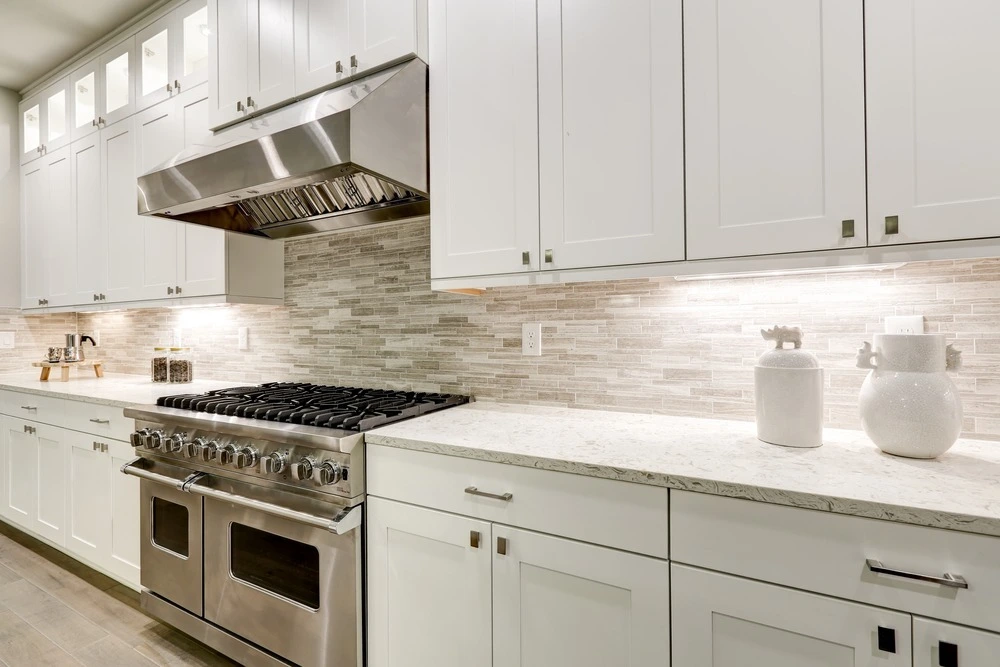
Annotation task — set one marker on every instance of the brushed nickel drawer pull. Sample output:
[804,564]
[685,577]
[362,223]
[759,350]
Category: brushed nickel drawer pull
[502,546]
[29,407]
[506,497]
[101,421]
[474,539]
[947,579]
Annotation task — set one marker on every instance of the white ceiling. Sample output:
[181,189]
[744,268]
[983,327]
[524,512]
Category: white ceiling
[38,35]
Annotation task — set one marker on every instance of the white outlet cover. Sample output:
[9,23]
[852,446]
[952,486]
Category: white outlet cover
[531,339]
[904,324]
[244,339]
[6,340]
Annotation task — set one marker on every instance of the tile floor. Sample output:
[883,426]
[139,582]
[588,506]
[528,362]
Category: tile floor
[57,611]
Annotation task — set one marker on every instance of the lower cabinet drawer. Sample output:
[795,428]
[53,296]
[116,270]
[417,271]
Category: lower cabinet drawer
[623,515]
[830,553]
[101,420]
[32,407]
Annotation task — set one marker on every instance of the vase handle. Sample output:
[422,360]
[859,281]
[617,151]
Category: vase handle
[866,357]
[953,358]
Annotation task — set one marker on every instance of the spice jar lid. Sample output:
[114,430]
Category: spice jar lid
[782,357]
[159,349]
[180,349]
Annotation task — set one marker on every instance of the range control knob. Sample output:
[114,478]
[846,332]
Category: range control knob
[303,468]
[174,443]
[328,472]
[153,439]
[226,454]
[273,463]
[138,439]
[193,448]
[246,457]
[208,451]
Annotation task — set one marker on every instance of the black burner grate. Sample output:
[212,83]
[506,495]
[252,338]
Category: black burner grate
[348,408]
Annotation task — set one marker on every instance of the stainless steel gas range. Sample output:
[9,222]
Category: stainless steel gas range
[252,516]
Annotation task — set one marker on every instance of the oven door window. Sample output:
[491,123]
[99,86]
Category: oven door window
[277,564]
[170,526]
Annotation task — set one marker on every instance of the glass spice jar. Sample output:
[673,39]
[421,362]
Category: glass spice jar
[181,364]
[158,371]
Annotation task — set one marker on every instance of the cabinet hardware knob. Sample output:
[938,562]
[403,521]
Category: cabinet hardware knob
[103,297]
[170,88]
[891,224]
[177,85]
[101,421]
[250,102]
[526,258]
[506,497]
[96,298]
[239,105]
[474,539]
[93,123]
[170,290]
[847,229]
[548,256]
[886,639]
[502,546]
[947,580]
[354,62]
[947,654]
[339,67]
[177,289]
[95,446]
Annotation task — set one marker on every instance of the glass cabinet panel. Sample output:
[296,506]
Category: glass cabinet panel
[32,128]
[116,83]
[155,61]
[55,107]
[195,33]
[85,99]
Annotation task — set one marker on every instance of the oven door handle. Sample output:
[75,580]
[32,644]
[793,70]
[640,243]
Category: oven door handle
[346,520]
[131,468]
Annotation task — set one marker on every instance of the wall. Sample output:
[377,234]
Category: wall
[32,337]
[359,311]
[10,156]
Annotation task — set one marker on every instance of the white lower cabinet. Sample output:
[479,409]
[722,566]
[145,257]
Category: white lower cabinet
[561,603]
[725,621]
[64,486]
[428,588]
[937,644]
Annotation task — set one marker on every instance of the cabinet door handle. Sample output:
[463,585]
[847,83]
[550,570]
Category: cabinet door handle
[177,289]
[891,224]
[97,298]
[886,639]
[526,258]
[339,67]
[502,546]
[177,85]
[170,290]
[100,447]
[473,491]
[354,62]
[548,256]
[847,229]
[250,102]
[474,539]
[170,88]
[947,579]
[101,421]
[32,408]
[239,105]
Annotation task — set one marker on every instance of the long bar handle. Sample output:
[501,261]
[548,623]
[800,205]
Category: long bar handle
[131,469]
[101,421]
[947,579]
[346,520]
[506,497]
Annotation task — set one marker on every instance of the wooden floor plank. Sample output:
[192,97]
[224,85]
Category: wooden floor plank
[111,652]
[23,646]
[62,625]
[166,646]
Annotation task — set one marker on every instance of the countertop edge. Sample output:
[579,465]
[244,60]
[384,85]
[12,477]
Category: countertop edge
[803,500]
[82,398]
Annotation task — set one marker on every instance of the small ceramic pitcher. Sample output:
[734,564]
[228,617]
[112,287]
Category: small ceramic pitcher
[909,405]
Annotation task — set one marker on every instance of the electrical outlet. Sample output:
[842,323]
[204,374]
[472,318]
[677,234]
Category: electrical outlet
[6,340]
[904,324]
[531,339]
[244,339]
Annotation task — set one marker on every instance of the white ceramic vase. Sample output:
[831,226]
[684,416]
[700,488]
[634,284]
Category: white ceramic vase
[909,405]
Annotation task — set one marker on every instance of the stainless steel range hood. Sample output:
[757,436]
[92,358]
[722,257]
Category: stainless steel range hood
[352,156]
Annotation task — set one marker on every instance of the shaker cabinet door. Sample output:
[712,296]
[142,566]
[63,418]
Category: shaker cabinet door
[154,71]
[775,126]
[383,31]
[118,68]
[88,524]
[91,261]
[59,253]
[483,137]
[322,43]
[933,120]
[726,621]
[34,194]
[271,60]
[228,59]
[937,644]
[611,144]
[428,587]
[124,224]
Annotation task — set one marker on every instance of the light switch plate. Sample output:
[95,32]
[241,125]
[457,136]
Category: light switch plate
[904,324]
[6,340]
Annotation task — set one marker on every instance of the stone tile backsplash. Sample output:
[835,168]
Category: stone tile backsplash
[359,310]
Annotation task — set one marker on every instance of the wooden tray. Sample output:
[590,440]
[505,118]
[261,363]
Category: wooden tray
[64,367]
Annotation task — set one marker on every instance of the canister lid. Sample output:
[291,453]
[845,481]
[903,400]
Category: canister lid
[782,357]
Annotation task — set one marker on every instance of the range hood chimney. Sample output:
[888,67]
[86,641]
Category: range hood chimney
[352,156]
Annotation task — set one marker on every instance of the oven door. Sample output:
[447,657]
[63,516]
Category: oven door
[286,584]
[171,527]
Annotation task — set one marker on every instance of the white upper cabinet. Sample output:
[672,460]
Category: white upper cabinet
[384,31]
[228,57]
[775,126]
[118,92]
[172,54]
[34,197]
[322,43]
[86,89]
[89,252]
[124,225]
[611,157]
[271,66]
[190,46]
[933,110]
[30,113]
[60,229]
[483,137]
[45,124]
[725,621]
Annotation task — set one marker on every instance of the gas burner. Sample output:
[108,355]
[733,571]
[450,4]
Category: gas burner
[345,408]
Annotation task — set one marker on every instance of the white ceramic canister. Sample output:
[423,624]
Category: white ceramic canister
[909,405]
[788,392]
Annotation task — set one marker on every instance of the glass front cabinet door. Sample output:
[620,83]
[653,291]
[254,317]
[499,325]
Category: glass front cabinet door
[86,93]
[118,93]
[172,54]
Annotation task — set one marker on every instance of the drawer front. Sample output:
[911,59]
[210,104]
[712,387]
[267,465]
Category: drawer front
[31,407]
[633,517]
[103,420]
[828,553]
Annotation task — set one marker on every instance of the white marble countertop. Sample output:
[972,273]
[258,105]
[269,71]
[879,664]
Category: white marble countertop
[114,389]
[848,474]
